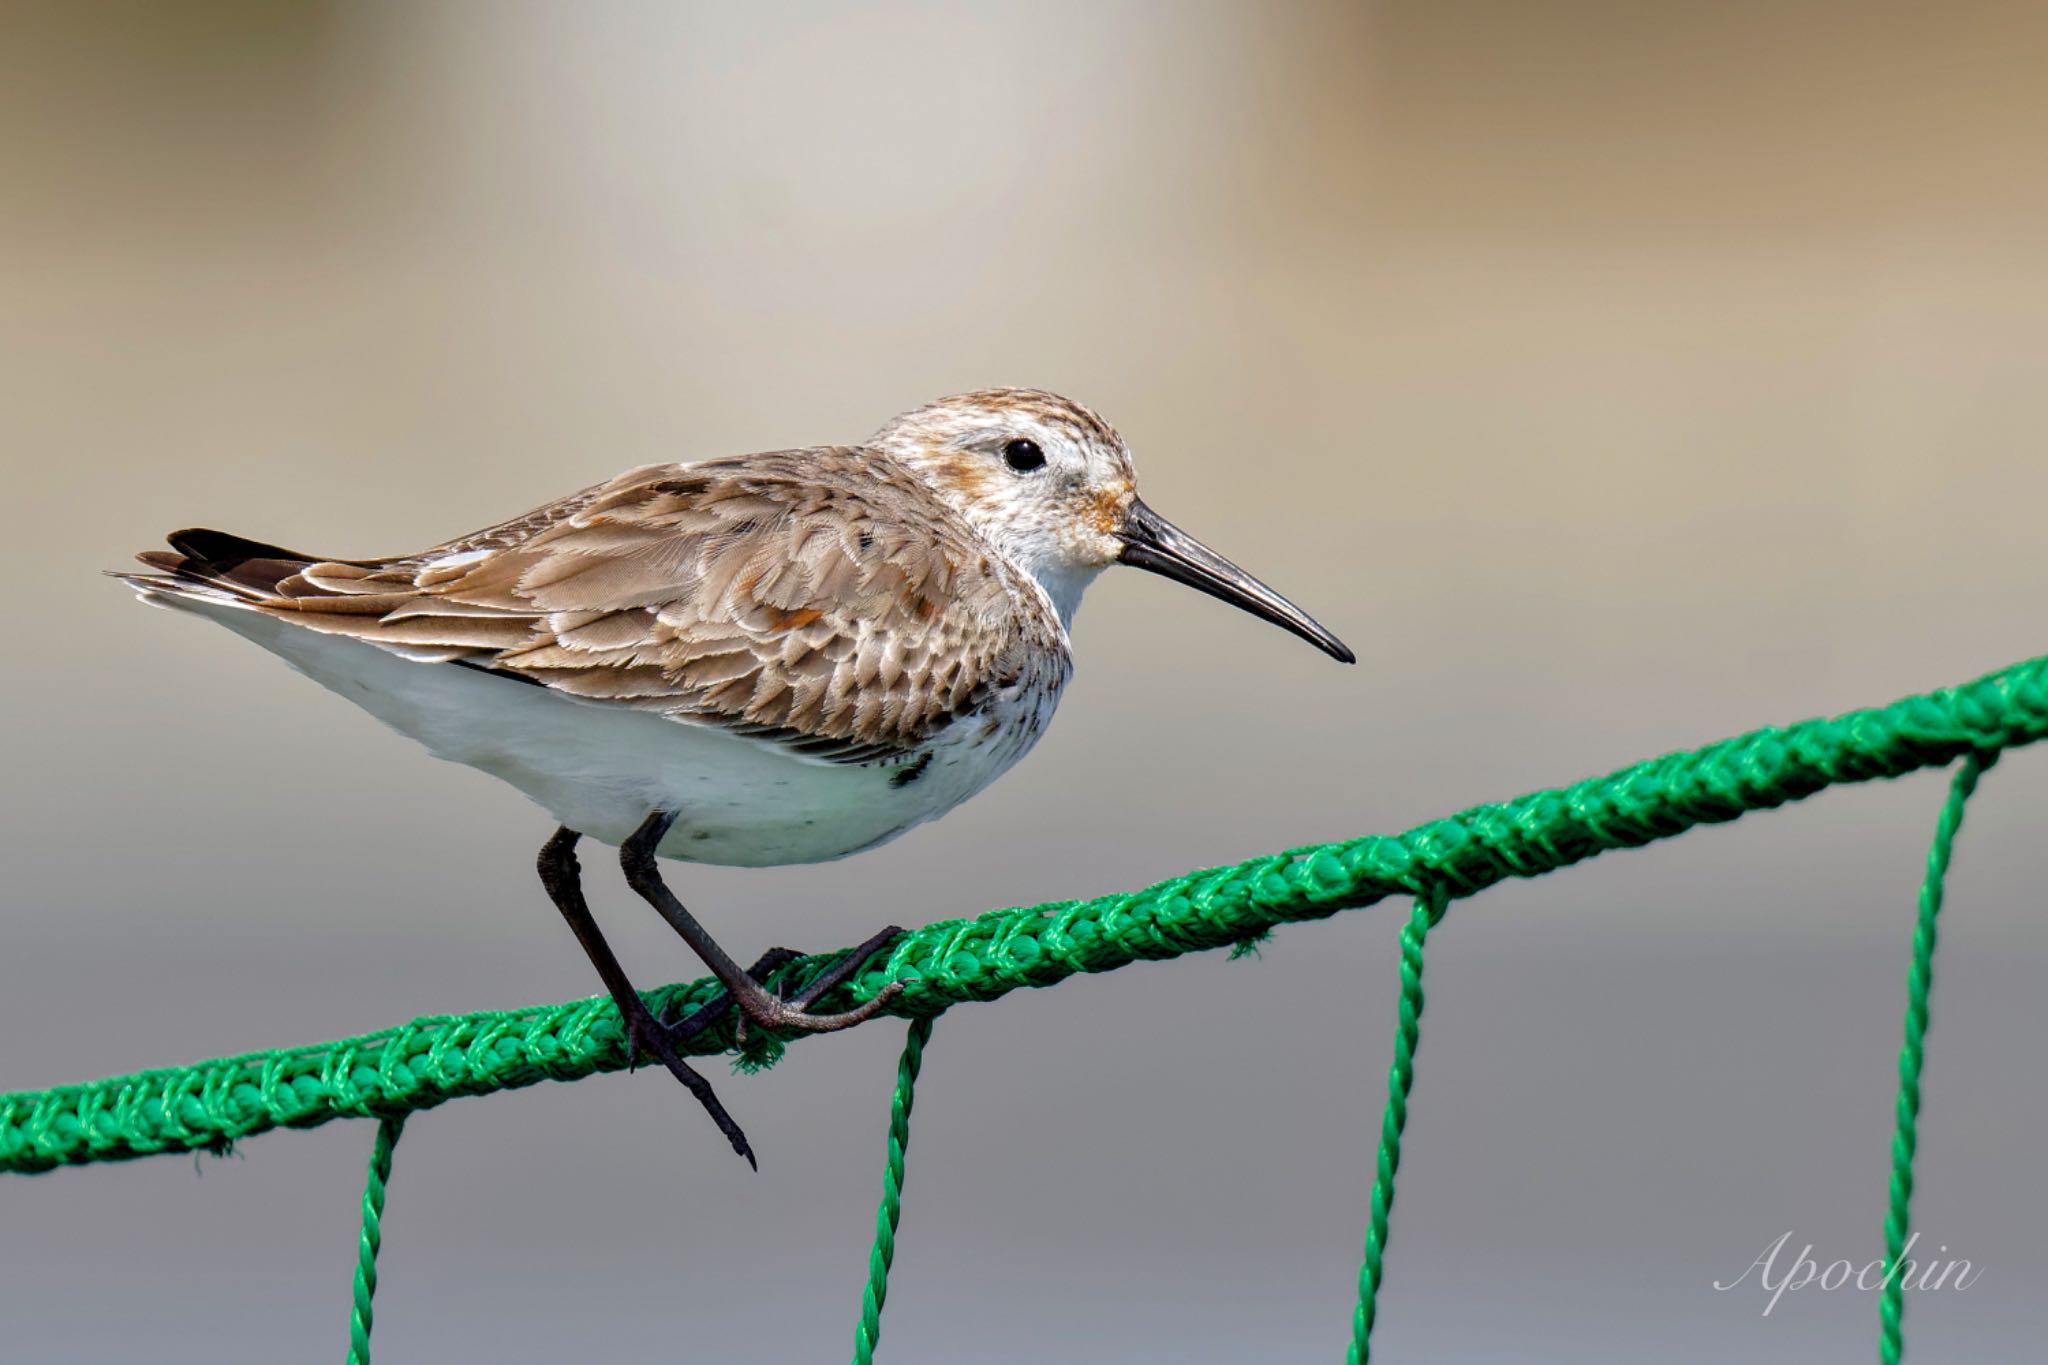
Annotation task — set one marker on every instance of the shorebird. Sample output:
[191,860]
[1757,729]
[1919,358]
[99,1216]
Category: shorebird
[775,658]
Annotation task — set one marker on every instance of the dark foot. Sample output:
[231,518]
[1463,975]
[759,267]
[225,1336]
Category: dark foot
[845,969]
[681,1030]
[562,877]
[757,1006]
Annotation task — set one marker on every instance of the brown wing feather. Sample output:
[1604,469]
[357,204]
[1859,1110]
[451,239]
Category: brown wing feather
[820,598]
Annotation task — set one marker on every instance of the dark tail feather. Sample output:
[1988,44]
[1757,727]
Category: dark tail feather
[220,547]
[219,560]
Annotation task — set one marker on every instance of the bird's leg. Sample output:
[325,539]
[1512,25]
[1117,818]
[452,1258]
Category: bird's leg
[562,878]
[757,1006]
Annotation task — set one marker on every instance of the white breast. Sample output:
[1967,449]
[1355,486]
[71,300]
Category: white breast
[602,769]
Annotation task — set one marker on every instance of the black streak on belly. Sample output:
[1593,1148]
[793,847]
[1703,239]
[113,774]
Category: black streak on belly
[498,672]
[909,773]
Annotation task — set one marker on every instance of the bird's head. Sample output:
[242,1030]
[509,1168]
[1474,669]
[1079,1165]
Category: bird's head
[1050,485]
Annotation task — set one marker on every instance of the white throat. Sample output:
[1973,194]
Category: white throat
[1064,586]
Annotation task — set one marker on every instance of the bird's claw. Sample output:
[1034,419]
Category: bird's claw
[784,1016]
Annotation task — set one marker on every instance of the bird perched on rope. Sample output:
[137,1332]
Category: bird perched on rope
[776,658]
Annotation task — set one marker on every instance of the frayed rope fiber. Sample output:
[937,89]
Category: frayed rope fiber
[210,1105]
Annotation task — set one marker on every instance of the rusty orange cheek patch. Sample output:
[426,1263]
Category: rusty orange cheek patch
[1109,508]
[969,475]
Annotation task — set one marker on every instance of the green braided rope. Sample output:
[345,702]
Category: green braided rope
[868,1331]
[360,1316]
[1891,1304]
[1400,1080]
[435,1059]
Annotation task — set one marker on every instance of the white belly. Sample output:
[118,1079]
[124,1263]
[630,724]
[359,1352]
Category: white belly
[601,770]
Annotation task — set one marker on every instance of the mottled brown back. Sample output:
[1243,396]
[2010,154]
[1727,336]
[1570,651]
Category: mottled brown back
[821,598]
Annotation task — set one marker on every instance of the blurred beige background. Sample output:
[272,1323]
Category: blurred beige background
[1613,377]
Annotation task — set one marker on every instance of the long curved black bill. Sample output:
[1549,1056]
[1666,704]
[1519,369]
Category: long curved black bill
[1153,543]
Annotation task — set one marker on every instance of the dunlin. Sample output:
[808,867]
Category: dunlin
[775,658]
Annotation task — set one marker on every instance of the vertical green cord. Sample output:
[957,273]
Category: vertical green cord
[1891,1304]
[372,1238]
[883,1254]
[1428,910]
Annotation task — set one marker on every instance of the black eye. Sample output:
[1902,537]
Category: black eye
[1023,456]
